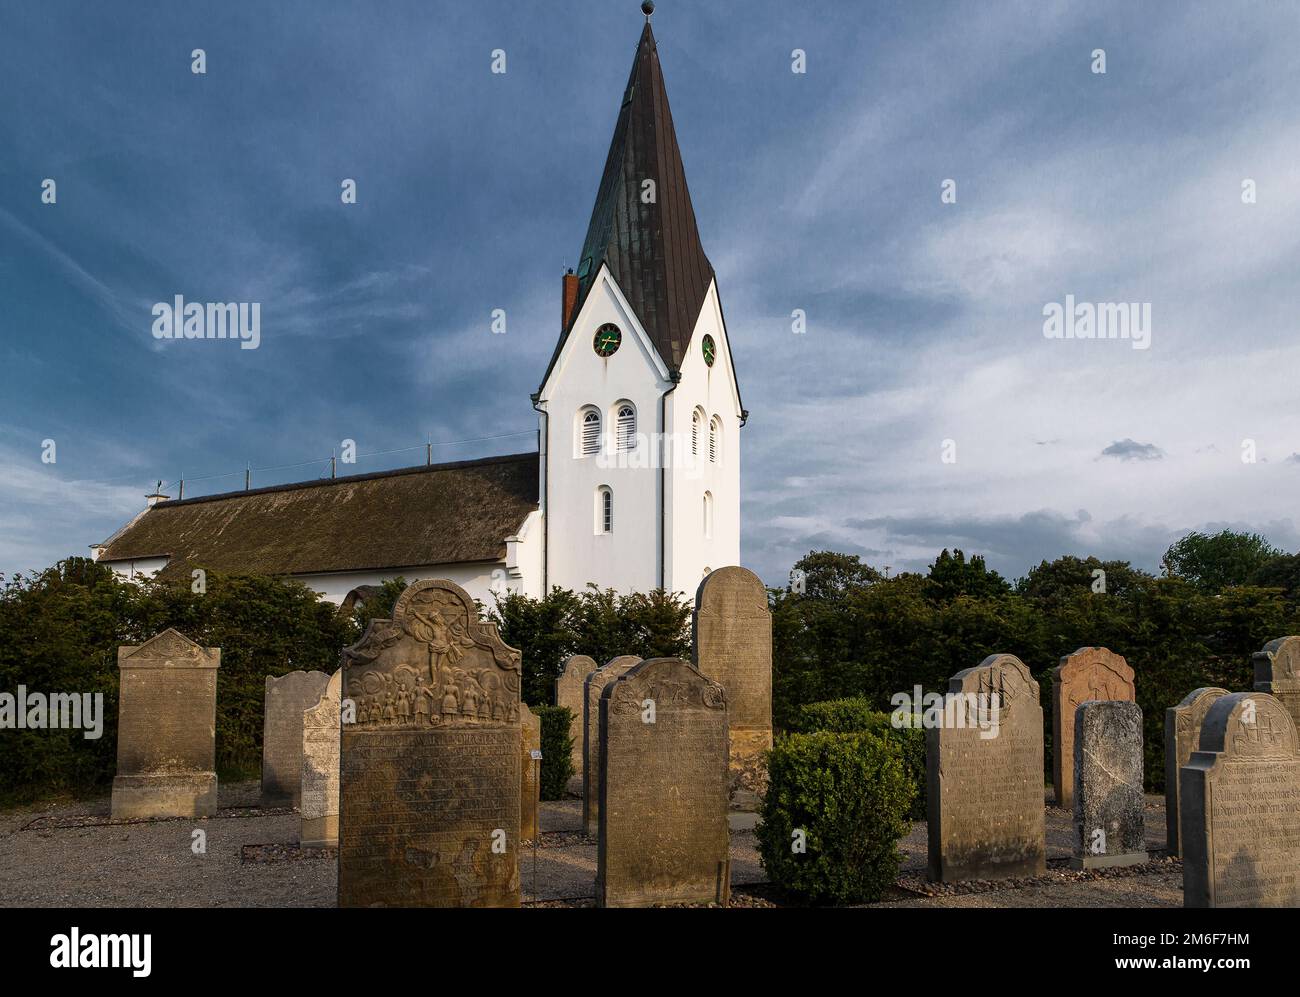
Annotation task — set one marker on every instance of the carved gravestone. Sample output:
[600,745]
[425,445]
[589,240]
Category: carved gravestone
[1182,737]
[166,729]
[568,692]
[593,685]
[1277,672]
[1088,673]
[1240,801]
[733,646]
[984,769]
[530,729]
[1109,823]
[429,781]
[319,797]
[663,830]
[284,703]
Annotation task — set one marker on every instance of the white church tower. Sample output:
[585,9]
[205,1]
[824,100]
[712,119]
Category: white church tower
[639,409]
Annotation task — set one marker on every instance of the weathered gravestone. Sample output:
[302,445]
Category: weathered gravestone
[568,692]
[429,782]
[319,798]
[166,729]
[530,729]
[663,831]
[1240,801]
[1089,673]
[732,628]
[593,685]
[1277,672]
[1182,737]
[984,769]
[1109,823]
[284,703]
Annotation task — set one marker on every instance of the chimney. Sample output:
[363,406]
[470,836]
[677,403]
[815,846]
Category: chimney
[568,299]
[156,497]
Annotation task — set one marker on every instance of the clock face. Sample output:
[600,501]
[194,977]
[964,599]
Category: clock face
[710,350]
[608,340]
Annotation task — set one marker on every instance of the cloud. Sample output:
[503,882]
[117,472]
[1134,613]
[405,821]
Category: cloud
[1127,449]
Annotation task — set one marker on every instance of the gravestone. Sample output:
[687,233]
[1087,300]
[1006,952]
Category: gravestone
[531,784]
[1182,737]
[166,729]
[318,808]
[568,692]
[663,830]
[732,628]
[1240,801]
[593,685]
[984,770]
[429,780]
[1109,823]
[1088,673]
[1277,672]
[285,701]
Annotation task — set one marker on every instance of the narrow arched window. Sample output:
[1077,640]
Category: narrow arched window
[604,510]
[715,439]
[626,428]
[708,515]
[697,425]
[589,441]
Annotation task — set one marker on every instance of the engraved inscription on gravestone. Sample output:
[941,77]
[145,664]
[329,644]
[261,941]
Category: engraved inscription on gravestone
[593,685]
[166,729]
[285,700]
[1089,673]
[985,793]
[430,779]
[568,692]
[663,830]
[1182,737]
[319,806]
[1109,822]
[1240,801]
[1277,672]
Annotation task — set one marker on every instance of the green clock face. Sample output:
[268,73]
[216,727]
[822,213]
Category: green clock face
[608,340]
[710,349]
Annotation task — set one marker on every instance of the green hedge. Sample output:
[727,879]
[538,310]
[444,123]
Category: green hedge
[557,750]
[856,715]
[849,795]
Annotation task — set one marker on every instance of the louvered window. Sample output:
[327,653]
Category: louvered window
[626,428]
[715,439]
[591,433]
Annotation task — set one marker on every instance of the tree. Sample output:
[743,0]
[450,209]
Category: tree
[826,573]
[1213,563]
[1060,580]
[952,575]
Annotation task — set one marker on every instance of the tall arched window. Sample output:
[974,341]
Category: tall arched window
[708,515]
[697,427]
[589,432]
[626,440]
[715,439]
[604,509]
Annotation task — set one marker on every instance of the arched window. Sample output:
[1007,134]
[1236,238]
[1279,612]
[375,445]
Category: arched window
[697,427]
[589,432]
[626,441]
[708,515]
[715,439]
[604,509]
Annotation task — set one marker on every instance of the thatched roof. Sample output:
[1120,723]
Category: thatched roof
[445,513]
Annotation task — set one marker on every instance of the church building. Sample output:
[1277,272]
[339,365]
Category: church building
[635,482]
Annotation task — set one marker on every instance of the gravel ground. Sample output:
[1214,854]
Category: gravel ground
[68,854]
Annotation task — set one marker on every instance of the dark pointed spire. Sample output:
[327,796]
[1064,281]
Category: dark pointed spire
[652,247]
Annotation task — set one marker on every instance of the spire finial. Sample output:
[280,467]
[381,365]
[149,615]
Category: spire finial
[647,8]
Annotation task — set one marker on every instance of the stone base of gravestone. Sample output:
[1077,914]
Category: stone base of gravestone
[137,797]
[319,832]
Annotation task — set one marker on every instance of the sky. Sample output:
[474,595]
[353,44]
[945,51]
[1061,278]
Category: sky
[924,406]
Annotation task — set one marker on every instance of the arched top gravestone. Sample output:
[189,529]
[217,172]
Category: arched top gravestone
[285,700]
[593,685]
[1277,672]
[1182,737]
[568,692]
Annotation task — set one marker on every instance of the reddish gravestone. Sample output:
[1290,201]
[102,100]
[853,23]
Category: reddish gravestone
[1087,674]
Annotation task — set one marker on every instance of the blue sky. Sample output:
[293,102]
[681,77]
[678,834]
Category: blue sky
[816,191]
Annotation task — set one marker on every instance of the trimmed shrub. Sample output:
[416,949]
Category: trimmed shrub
[856,715]
[850,797]
[557,748]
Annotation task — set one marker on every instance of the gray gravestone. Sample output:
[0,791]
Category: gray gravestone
[663,830]
[1182,737]
[319,797]
[1090,673]
[1277,672]
[593,685]
[285,700]
[429,781]
[166,729]
[568,692]
[985,779]
[1240,801]
[1109,823]
[732,633]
